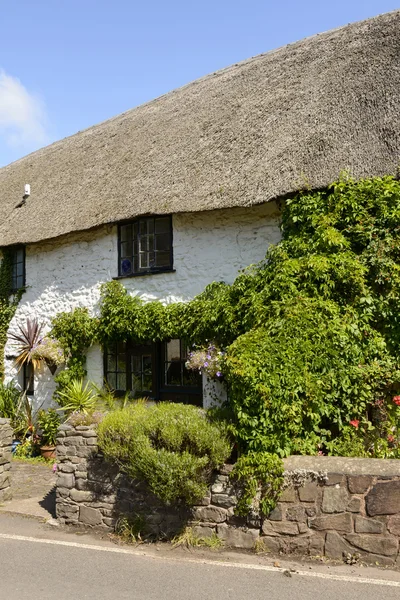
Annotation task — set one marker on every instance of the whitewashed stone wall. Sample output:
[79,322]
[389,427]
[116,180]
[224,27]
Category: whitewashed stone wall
[65,273]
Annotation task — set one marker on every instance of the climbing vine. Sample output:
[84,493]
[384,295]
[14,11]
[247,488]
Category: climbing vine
[312,333]
[8,301]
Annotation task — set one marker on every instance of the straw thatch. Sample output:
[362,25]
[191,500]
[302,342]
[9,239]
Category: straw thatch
[241,136]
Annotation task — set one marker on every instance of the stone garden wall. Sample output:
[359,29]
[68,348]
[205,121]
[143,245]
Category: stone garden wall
[6,434]
[332,507]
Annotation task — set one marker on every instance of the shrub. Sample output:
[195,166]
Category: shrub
[299,380]
[171,447]
[261,477]
[48,422]
[77,397]
[9,400]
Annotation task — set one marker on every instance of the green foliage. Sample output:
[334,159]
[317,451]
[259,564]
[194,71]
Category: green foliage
[312,333]
[77,397]
[48,422]
[189,539]
[171,447]
[9,400]
[260,476]
[8,302]
[76,332]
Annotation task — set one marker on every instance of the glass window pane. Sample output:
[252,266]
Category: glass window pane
[173,350]
[163,242]
[126,249]
[150,243]
[121,381]
[150,225]
[112,380]
[126,266]
[162,224]
[147,377]
[162,259]
[143,227]
[20,269]
[191,378]
[126,233]
[173,373]
[111,363]
[144,260]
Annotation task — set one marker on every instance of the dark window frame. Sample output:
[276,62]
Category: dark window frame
[192,394]
[135,240]
[18,282]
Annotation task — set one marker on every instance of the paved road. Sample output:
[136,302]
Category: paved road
[37,562]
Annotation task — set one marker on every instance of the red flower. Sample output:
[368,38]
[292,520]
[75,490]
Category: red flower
[396,400]
[391,439]
[355,423]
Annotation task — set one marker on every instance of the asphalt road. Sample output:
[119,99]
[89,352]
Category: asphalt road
[41,563]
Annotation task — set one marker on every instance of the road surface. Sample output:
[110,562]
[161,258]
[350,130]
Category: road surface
[41,562]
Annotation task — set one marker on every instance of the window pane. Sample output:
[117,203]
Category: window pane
[126,233]
[112,380]
[144,260]
[126,249]
[173,373]
[163,225]
[163,259]
[173,350]
[121,382]
[111,363]
[150,226]
[20,256]
[143,227]
[126,266]
[191,378]
[20,269]
[163,242]
[147,380]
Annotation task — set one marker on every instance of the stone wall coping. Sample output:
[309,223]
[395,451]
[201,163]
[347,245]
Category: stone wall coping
[344,465]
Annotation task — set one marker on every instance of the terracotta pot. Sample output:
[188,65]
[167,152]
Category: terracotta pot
[48,452]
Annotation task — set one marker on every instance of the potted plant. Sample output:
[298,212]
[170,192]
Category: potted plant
[48,423]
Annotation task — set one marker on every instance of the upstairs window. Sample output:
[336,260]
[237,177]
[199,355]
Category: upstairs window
[145,246]
[17,268]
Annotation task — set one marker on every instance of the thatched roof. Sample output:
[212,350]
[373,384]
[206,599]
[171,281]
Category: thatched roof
[254,131]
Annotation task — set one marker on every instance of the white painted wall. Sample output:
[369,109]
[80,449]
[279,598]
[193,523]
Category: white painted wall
[65,273]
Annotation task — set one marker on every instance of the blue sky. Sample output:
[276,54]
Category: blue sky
[66,65]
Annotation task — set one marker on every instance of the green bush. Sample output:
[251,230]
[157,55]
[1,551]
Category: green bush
[9,400]
[171,447]
[48,422]
[296,382]
[260,476]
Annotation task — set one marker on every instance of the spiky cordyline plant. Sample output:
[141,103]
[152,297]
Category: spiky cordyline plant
[28,340]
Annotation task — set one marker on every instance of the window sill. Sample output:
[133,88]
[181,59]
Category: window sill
[145,273]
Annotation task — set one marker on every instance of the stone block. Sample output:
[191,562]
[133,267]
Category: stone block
[272,544]
[66,468]
[4,480]
[90,516]
[308,493]
[66,511]
[334,479]
[339,522]
[359,484]
[237,538]
[91,441]
[285,527]
[385,545]
[394,525]
[73,441]
[336,546]
[223,500]
[85,451]
[335,500]
[383,499]
[267,529]
[62,492]
[363,525]
[206,500]
[316,545]
[214,514]
[81,496]
[203,532]
[5,494]
[65,480]
[81,484]
[354,505]
[296,513]
[288,495]
[276,513]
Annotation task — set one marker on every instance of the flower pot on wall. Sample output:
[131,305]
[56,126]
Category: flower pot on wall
[48,452]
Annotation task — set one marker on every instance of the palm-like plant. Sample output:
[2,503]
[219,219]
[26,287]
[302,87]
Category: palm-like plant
[28,340]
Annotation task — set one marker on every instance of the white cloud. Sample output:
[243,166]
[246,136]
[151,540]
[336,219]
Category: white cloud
[23,118]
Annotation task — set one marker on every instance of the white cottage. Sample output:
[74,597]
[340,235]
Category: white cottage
[185,190]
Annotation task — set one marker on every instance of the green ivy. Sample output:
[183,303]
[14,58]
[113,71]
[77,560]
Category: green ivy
[312,333]
[8,302]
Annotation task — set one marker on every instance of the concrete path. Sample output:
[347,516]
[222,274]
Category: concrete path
[33,490]
[54,563]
